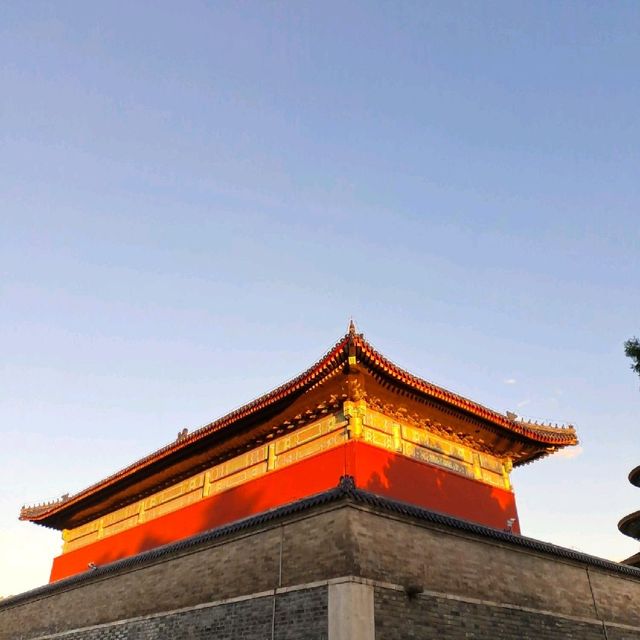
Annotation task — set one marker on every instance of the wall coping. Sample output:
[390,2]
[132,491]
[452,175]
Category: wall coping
[346,492]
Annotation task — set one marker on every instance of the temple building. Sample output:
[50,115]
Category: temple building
[630,525]
[353,414]
[355,502]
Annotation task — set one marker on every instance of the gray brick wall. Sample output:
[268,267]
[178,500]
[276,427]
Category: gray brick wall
[300,615]
[424,617]
[333,542]
[404,552]
[313,548]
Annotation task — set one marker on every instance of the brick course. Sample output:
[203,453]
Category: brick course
[300,615]
[398,617]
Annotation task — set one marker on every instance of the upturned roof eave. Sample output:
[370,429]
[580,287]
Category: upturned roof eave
[544,434]
[630,525]
[634,476]
[334,358]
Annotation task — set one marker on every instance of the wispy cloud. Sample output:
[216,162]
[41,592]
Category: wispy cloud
[523,403]
[510,381]
[569,452]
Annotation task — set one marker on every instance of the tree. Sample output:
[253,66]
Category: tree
[632,350]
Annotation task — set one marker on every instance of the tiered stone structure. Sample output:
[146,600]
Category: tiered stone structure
[630,525]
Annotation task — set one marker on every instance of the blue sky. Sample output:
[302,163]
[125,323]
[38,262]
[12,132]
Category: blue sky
[197,197]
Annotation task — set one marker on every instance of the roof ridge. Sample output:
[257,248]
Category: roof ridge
[351,344]
[459,399]
[184,440]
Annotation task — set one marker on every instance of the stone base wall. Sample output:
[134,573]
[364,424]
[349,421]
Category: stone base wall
[293,616]
[340,571]
[474,568]
[298,552]
[398,617]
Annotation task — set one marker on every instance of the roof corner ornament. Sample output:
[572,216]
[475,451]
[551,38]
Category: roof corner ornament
[351,344]
[347,484]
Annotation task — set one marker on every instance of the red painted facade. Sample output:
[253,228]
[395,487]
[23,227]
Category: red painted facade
[376,470]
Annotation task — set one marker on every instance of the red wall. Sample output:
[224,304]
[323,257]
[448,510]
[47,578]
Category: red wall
[388,474]
[374,469]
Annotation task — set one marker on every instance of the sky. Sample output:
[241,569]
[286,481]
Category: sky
[195,198]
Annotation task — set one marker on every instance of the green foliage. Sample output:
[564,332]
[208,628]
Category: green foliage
[632,350]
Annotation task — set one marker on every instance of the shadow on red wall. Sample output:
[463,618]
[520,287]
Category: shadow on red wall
[274,489]
[389,474]
[376,470]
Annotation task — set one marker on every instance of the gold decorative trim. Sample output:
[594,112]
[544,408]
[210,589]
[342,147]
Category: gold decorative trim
[307,441]
[419,443]
[357,421]
[446,462]
[240,477]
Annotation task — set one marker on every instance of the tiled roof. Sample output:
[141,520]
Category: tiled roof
[634,476]
[633,561]
[544,433]
[630,525]
[353,344]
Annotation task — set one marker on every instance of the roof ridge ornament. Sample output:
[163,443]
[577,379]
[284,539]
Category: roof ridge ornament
[350,344]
